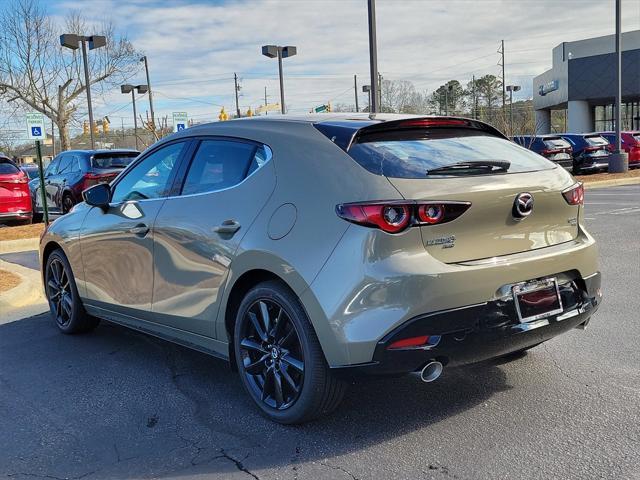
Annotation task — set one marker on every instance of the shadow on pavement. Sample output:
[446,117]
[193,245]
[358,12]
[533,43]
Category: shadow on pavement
[119,404]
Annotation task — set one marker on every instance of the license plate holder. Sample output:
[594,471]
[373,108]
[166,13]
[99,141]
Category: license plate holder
[537,299]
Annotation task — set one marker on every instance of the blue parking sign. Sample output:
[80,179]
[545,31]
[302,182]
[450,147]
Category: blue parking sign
[36,132]
[180,126]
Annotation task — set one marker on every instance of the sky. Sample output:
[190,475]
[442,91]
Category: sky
[195,46]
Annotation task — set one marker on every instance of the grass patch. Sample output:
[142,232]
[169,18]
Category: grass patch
[8,280]
[21,232]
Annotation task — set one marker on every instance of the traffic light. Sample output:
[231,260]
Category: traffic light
[328,106]
[85,128]
[95,128]
[249,112]
[105,126]
[223,115]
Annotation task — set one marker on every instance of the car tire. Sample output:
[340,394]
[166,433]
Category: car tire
[62,294]
[67,204]
[279,357]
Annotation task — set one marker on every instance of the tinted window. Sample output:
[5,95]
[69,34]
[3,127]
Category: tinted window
[221,164]
[636,137]
[412,154]
[52,169]
[31,172]
[7,167]
[596,140]
[113,160]
[554,143]
[151,178]
[66,164]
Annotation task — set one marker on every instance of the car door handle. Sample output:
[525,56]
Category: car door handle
[140,230]
[228,226]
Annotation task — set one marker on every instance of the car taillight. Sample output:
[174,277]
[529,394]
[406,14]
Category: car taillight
[592,149]
[434,122]
[91,179]
[574,195]
[422,342]
[394,217]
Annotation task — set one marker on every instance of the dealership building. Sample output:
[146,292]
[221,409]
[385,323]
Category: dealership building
[582,80]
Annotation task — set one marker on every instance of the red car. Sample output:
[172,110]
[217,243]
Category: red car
[630,144]
[15,198]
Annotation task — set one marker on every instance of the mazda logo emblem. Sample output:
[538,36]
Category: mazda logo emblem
[523,205]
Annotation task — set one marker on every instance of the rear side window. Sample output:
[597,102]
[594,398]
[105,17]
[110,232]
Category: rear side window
[220,164]
[112,160]
[411,154]
[7,167]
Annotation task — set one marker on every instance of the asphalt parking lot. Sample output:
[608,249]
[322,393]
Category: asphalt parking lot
[116,404]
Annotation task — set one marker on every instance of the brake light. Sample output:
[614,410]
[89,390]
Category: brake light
[574,195]
[394,217]
[91,179]
[434,122]
[593,149]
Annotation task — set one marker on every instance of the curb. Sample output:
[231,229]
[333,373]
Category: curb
[612,183]
[12,246]
[24,300]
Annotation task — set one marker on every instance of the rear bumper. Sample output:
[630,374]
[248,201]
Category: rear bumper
[16,215]
[480,332]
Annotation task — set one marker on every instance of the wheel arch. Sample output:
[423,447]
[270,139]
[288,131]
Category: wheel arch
[260,267]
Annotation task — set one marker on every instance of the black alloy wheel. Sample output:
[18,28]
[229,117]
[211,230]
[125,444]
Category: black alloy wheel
[59,292]
[62,294]
[271,353]
[279,357]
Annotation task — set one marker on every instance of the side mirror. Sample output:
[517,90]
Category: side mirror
[98,196]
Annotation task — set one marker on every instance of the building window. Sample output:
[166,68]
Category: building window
[605,117]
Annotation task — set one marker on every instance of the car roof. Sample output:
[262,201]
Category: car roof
[103,150]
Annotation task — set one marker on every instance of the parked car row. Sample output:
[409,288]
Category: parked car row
[582,152]
[65,178]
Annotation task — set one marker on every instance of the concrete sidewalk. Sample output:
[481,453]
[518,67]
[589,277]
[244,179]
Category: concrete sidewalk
[25,300]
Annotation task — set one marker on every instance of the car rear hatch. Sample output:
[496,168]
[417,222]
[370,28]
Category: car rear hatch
[422,160]
[557,150]
[105,166]
[14,189]
[597,147]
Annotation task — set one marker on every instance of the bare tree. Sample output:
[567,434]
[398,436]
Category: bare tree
[36,71]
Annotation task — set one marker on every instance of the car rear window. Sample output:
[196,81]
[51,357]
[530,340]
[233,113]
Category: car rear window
[116,160]
[636,137]
[412,153]
[596,140]
[556,143]
[7,167]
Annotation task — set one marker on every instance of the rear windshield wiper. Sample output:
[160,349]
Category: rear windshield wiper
[489,165]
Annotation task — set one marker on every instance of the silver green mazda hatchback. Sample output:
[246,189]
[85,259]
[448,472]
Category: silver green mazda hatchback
[306,250]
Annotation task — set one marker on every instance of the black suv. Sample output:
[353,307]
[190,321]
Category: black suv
[552,147]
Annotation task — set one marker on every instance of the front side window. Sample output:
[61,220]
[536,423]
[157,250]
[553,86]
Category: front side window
[65,164]
[52,169]
[220,164]
[151,178]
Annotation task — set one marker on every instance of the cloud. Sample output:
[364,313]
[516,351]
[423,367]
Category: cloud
[195,46]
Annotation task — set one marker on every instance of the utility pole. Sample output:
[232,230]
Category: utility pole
[504,91]
[379,91]
[474,106]
[355,91]
[237,88]
[265,100]
[146,69]
[373,56]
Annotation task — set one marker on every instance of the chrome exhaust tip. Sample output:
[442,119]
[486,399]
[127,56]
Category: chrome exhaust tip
[431,371]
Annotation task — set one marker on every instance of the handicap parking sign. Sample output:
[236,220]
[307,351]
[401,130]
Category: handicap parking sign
[180,121]
[35,126]
[180,126]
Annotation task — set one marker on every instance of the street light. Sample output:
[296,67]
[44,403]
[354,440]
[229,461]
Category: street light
[511,89]
[146,69]
[72,41]
[126,88]
[273,51]
[367,89]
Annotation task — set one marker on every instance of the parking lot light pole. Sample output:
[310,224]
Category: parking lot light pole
[373,57]
[511,89]
[126,88]
[273,51]
[146,69]
[73,41]
[619,161]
